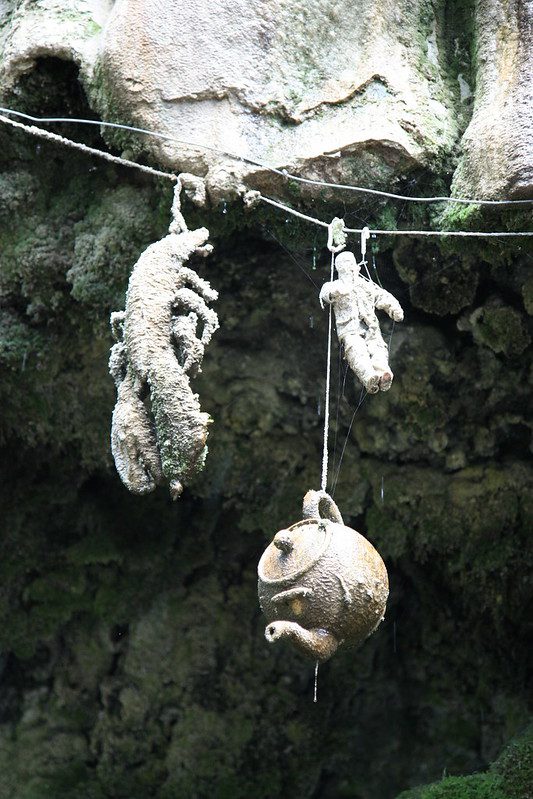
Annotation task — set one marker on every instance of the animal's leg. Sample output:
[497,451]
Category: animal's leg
[116,320]
[189,301]
[197,283]
[133,441]
[190,348]
[118,362]
[356,353]
[181,427]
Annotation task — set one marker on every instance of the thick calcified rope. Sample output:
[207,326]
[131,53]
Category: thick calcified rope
[44,134]
[326,402]
[256,162]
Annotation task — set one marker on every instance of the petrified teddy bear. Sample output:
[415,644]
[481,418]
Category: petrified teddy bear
[158,429]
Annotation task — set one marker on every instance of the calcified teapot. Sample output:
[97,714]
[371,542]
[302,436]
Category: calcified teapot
[321,584]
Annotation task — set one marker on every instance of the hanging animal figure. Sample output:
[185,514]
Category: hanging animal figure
[354,302]
[158,429]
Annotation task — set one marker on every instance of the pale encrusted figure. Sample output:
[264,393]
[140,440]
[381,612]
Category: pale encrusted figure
[158,430]
[354,302]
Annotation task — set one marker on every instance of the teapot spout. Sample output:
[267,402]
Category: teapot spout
[317,643]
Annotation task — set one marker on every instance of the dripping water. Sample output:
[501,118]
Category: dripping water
[316,682]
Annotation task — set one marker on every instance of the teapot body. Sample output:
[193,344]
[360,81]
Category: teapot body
[321,584]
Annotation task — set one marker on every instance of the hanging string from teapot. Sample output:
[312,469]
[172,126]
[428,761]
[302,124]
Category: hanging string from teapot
[321,584]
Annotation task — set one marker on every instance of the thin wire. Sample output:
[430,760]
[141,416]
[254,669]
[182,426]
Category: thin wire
[339,383]
[478,233]
[362,398]
[256,162]
[482,234]
[291,255]
[45,134]
[328,380]
[390,195]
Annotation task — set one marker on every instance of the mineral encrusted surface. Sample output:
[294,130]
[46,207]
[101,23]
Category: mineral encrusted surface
[132,654]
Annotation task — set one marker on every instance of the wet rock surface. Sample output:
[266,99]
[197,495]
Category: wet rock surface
[132,653]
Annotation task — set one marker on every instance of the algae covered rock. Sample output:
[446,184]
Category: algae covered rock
[131,646]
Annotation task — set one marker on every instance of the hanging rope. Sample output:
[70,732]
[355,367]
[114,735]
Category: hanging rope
[256,162]
[47,135]
[115,159]
[336,243]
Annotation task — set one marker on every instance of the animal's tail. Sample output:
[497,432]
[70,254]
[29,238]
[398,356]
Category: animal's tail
[133,441]
[181,426]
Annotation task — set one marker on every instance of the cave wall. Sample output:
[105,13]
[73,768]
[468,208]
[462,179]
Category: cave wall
[133,661]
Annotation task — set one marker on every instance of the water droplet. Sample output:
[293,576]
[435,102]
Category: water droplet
[382,490]
[318,408]
[224,208]
[311,322]
[316,682]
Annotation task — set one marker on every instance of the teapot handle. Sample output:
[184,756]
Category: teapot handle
[315,501]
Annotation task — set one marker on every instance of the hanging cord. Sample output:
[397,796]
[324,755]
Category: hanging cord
[46,134]
[365,235]
[178,223]
[479,234]
[336,243]
[256,162]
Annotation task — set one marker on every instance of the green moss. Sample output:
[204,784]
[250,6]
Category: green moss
[514,767]
[501,328]
[510,777]
[480,786]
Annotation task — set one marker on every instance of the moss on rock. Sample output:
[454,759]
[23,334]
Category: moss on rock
[510,777]
[133,660]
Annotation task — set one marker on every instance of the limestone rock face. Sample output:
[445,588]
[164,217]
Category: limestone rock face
[498,143]
[67,29]
[281,82]
[342,91]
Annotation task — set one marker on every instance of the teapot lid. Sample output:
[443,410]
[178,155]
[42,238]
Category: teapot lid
[294,551]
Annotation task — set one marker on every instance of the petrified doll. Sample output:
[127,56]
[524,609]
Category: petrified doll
[354,302]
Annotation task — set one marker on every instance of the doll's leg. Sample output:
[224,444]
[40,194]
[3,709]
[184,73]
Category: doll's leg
[379,355]
[358,357]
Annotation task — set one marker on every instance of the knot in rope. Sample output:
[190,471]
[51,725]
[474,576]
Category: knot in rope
[336,235]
